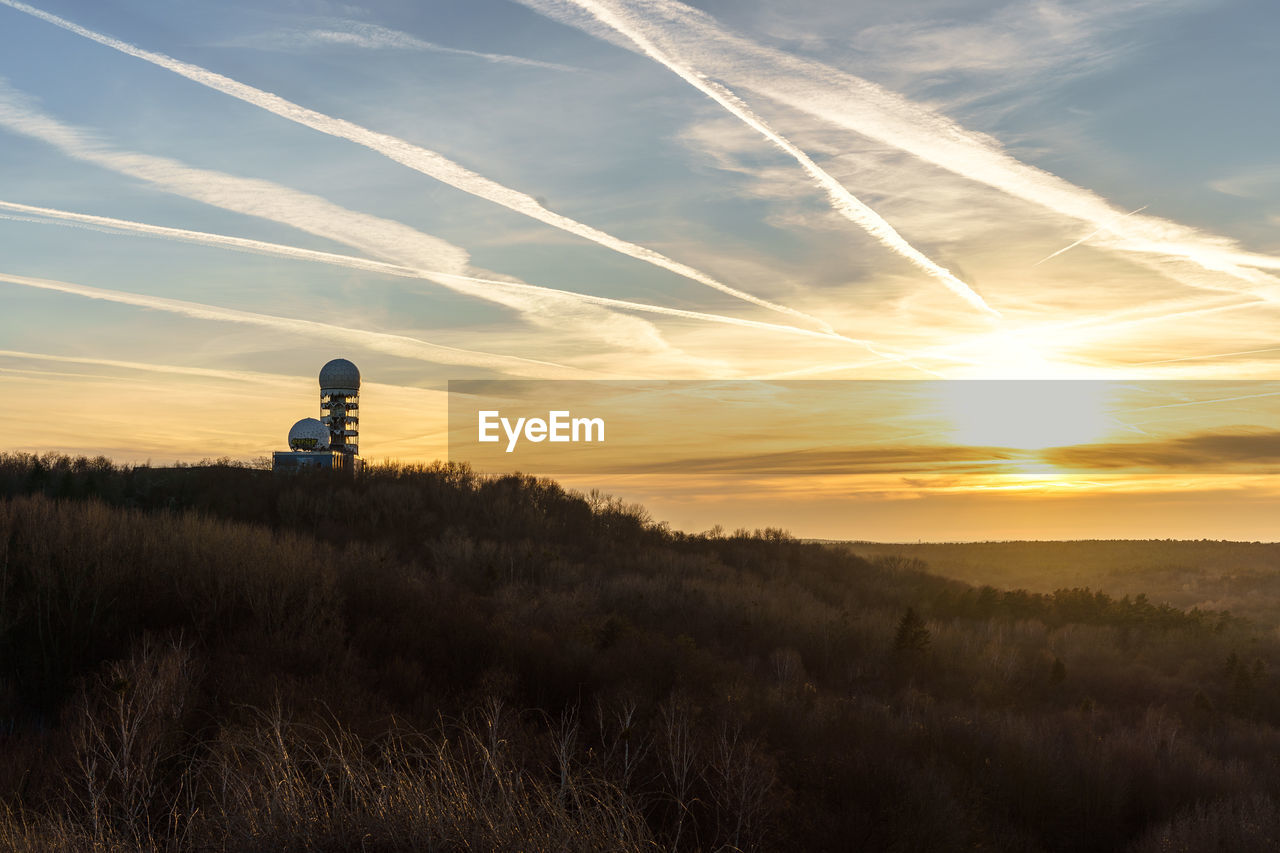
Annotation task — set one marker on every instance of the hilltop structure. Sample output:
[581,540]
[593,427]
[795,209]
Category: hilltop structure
[331,441]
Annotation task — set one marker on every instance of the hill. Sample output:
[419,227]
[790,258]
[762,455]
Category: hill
[1243,577]
[214,658]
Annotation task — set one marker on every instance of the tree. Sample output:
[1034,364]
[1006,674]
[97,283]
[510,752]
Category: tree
[912,635]
[1058,672]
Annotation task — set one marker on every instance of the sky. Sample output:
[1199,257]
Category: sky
[201,203]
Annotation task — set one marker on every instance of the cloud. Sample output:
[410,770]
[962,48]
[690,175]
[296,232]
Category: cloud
[168,416]
[202,372]
[1252,183]
[106,224]
[1256,452]
[830,463]
[1017,45]
[651,456]
[373,37]
[635,28]
[1209,356]
[1086,238]
[249,196]
[415,157]
[855,104]
[435,259]
[397,345]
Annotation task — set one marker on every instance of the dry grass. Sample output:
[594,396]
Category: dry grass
[278,785]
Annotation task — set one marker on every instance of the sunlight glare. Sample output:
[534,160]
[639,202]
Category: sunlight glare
[1024,415]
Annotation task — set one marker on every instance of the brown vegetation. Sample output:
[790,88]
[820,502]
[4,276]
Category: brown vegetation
[217,659]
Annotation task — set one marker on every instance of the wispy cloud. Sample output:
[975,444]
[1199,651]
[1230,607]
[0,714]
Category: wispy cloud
[36,214]
[1021,45]
[169,404]
[1208,356]
[391,344]
[249,196]
[150,367]
[1249,183]
[367,36]
[636,29]
[856,104]
[434,259]
[255,377]
[419,159]
[1251,451]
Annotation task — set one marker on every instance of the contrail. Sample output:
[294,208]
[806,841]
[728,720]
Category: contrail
[398,345]
[950,352]
[1087,237]
[1187,403]
[183,370]
[847,101]
[385,238]
[372,36]
[205,372]
[1204,357]
[417,158]
[843,201]
[65,374]
[1111,322]
[110,225]
[249,196]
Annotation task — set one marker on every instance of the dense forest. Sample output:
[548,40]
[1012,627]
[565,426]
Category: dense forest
[420,658]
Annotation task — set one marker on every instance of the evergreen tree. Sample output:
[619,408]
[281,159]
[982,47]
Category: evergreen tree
[1058,672]
[912,635]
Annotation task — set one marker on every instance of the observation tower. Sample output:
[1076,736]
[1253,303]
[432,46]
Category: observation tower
[333,440]
[340,405]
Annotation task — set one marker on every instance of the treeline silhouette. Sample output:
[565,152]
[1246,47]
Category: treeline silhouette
[216,658]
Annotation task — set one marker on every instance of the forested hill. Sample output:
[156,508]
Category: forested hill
[1243,577]
[215,658]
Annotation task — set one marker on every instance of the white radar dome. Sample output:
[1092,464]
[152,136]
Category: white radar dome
[308,434]
[340,373]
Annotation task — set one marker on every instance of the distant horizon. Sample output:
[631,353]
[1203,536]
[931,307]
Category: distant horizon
[728,527]
[1047,541]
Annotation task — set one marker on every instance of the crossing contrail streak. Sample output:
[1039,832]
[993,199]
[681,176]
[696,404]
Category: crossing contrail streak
[387,239]
[110,225]
[249,196]
[415,157]
[398,345]
[1086,237]
[843,201]
[1204,357]
[844,100]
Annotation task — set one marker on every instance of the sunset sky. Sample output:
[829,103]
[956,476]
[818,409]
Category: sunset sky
[202,202]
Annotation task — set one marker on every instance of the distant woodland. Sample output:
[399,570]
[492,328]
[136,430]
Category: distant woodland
[214,658]
[1243,577]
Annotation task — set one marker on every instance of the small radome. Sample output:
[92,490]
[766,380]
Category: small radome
[332,440]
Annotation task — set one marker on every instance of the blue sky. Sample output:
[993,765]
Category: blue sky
[828,189]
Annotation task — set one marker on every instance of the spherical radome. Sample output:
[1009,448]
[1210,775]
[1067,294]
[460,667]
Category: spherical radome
[340,373]
[308,434]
